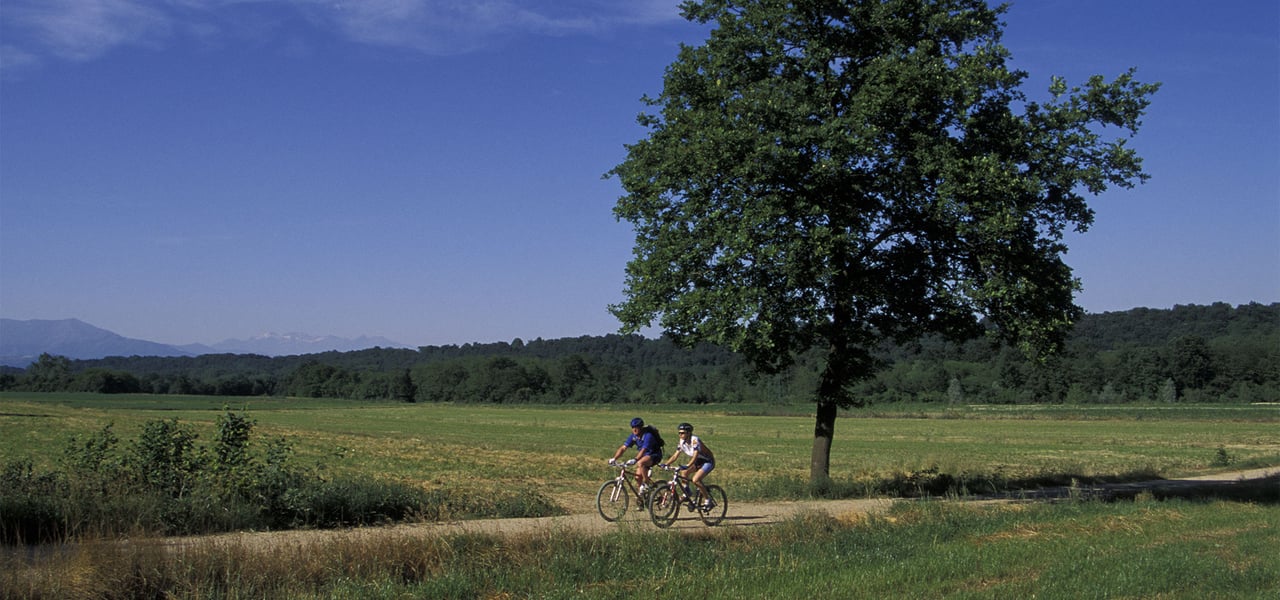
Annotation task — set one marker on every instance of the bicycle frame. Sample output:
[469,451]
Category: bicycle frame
[615,495]
[681,485]
[665,500]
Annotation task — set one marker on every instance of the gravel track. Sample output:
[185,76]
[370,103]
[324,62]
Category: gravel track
[585,520]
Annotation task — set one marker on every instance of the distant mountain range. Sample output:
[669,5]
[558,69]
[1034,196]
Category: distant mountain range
[22,342]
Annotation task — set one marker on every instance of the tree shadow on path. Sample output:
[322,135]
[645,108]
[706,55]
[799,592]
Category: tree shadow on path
[1260,486]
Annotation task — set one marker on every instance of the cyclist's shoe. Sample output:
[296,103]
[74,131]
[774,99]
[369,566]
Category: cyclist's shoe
[707,505]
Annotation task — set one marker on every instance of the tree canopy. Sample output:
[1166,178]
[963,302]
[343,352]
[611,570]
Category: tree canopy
[834,173]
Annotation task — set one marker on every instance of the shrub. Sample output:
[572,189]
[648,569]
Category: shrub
[348,501]
[166,483]
[27,503]
[165,458]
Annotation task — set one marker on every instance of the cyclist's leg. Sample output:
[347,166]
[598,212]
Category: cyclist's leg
[701,473]
[643,466]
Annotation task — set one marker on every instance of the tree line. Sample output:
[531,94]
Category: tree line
[1192,353]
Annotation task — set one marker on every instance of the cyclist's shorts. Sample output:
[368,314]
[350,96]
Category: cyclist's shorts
[706,466]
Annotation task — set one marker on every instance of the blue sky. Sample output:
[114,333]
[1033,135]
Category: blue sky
[430,171]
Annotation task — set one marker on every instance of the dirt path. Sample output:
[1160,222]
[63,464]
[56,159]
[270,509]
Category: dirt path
[578,523]
[587,521]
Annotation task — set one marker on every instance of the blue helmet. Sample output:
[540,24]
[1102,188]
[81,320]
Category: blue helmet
[637,422]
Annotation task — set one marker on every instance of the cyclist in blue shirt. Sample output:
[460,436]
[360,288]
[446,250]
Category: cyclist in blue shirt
[648,451]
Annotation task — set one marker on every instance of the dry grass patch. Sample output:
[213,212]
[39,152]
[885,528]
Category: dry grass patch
[1020,532]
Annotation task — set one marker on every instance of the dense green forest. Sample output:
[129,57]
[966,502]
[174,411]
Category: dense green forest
[1215,353]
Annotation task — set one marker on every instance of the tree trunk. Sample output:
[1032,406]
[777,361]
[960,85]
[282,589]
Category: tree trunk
[824,430]
[831,385]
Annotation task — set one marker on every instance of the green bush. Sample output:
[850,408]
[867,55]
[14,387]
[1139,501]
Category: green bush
[26,501]
[167,483]
[348,501]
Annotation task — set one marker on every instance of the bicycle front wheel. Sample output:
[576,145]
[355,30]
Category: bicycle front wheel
[713,514]
[664,506]
[612,501]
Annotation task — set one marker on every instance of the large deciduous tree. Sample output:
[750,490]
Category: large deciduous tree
[829,173]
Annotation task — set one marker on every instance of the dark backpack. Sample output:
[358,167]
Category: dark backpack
[657,438]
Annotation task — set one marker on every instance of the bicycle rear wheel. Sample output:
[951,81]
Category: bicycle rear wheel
[612,501]
[719,506]
[664,506]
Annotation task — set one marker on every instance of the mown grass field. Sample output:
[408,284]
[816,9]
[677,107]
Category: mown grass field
[562,450]
[1148,548]
[1167,550]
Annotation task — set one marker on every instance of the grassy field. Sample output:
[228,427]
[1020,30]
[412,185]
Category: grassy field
[1167,550]
[562,450]
[1129,549]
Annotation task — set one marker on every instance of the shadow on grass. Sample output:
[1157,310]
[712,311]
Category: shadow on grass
[1265,490]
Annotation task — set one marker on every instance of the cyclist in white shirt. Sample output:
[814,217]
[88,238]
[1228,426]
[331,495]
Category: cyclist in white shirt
[701,459]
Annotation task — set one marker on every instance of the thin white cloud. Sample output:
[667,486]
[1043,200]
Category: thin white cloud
[13,59]
[447,26]
[82,30]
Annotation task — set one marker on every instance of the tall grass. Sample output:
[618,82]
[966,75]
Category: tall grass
[1144,549]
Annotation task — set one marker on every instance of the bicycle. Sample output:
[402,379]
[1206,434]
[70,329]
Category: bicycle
[614,496]
[665,500]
